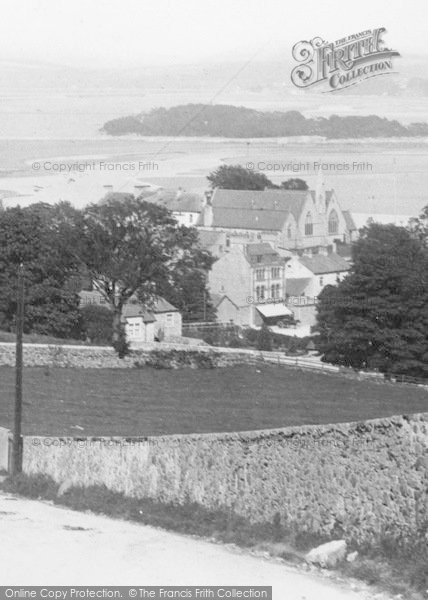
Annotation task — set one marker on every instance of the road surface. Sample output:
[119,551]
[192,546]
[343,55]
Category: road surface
[43,544]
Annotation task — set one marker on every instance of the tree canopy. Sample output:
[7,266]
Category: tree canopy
[294,184]
[31,236]
[236,177]
[378,316]
[133,249]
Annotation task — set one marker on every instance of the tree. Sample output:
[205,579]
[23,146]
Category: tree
[31,236]
[131,249]
[378,316]
[96,323]
[419,226]
[187,287]
[294,184]
[235,177]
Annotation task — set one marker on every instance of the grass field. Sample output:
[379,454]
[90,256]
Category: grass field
[154,402]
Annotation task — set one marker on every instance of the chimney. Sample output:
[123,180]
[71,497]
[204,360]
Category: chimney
[208,215]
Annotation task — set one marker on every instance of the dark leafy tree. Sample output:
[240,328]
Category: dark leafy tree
[419,226]
[31,236]
[131,249]
[294,184]
[235,177]
[96,323]
[378,316]
[187,287]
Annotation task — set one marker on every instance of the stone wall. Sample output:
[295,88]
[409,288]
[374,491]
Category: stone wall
[361,480]
[162,354]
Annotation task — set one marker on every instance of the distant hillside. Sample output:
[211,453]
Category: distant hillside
[240,122]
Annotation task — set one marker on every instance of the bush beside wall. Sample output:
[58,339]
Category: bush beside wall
[364,481]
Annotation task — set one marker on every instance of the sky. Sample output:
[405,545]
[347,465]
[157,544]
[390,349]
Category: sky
[113,33]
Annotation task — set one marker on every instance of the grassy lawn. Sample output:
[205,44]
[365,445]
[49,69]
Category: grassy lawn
[154,402]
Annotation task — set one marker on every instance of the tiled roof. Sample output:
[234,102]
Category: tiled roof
[217,299]
[350,223]
[262,254]
[174,200]
[133,309]
[263,220]
[288,201]
[320,263]
[260,249]
[161,305]
[296,286]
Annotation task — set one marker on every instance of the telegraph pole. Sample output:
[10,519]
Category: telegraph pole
[17,438]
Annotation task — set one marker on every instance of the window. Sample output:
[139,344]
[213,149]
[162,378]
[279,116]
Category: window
[134,330]
[275,272]
[259,258]
[309,227]
[321,281]
[275,290]
[169,318]
[260,292]
[333,222]
[227,242]
[260,274]
[289,232]
[191,218]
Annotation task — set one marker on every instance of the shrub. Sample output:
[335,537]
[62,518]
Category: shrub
[264,339]
[174,359]
[121,345]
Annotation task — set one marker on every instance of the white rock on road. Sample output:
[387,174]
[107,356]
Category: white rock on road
[42,544]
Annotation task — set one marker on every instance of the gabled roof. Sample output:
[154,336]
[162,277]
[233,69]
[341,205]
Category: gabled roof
[319,264]
[217,299]
[260,249]
[134,309]
[261,220]
[296,286]
[175,200]
[161,305]
[285,201]
[262,254]
[350,223]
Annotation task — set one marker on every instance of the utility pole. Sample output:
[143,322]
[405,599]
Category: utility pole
[17,438]
[205,306]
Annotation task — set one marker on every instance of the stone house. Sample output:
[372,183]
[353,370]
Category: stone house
[159,321]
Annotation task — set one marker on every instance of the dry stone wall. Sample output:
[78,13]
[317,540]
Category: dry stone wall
[358,480]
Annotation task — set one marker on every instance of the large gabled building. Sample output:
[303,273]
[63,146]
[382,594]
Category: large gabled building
[297,221]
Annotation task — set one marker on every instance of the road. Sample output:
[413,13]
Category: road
[43,544]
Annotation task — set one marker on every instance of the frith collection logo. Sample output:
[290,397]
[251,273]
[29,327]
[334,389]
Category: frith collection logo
[343,63]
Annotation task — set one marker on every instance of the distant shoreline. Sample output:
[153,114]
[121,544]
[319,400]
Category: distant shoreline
[238,122]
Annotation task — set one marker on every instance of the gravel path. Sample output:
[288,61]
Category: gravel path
[44,544]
